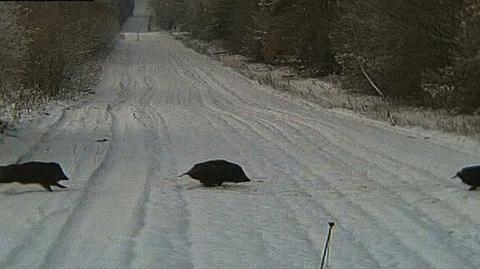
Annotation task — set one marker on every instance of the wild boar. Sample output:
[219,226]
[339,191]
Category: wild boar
[215,172]
[46,174]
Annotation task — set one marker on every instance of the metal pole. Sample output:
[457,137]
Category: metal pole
[325,249]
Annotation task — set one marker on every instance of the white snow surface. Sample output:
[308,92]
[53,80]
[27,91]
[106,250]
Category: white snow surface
[164,107]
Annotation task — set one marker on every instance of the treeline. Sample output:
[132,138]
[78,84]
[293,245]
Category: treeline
[43,43]
[426,52]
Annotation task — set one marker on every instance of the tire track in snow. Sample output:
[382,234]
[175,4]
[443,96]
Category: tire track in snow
[208,209]
[463,206]
[281,203]
[235,118]
[60,245]
[231,105]
[154,243]
[426,226]
[14,257]
[140,211]
[252,130]
[402,168]
[472,266]
[108,237]
[393,164]
[439,192]
[113,182]
[444,210]
[202,260]
[49,205]
[337,200]
[139,215]
[288,114]
[50,130]
[456,230]
[170,226]
[293,200]
[447,251]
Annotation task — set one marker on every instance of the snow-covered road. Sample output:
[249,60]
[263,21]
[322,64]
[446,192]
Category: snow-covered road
[164,107]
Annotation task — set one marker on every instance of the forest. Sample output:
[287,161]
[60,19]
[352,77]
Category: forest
[421,53]
[45,46]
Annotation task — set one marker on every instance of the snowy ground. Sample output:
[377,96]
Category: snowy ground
[163,108]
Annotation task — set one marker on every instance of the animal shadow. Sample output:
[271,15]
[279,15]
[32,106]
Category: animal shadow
[243,189]
[12,193]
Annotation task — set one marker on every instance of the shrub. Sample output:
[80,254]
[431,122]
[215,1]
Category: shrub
[42,42]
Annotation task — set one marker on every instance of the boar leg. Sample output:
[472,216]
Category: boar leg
[473,188]
[46,186]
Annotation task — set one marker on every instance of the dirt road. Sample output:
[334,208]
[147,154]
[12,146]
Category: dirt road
[162,108]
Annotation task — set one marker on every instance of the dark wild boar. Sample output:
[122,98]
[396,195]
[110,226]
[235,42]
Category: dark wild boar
[470,175]
[42,173]
[215,172]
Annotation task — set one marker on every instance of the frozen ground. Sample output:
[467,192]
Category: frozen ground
[163,108]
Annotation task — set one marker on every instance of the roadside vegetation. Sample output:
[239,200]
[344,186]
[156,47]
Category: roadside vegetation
[49,48]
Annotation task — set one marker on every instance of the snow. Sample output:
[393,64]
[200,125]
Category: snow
[164,107]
